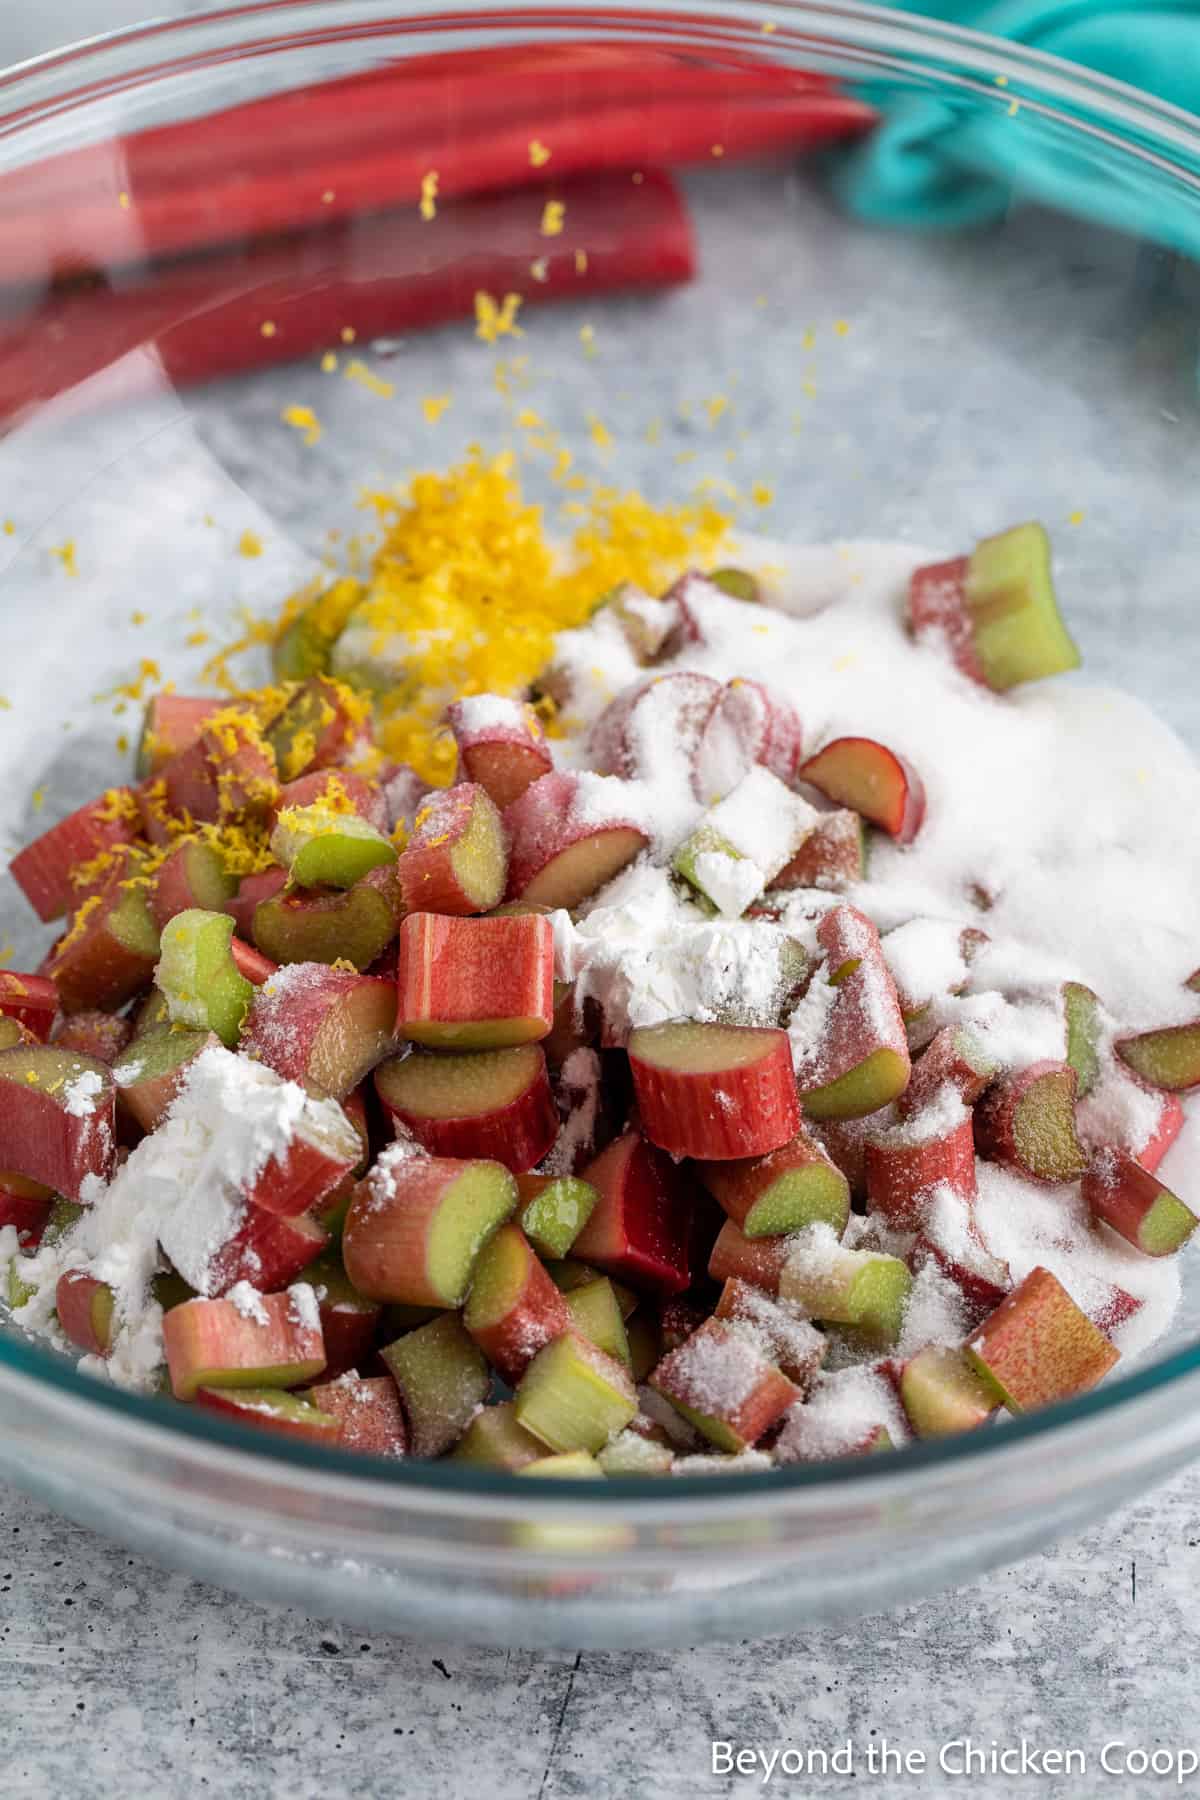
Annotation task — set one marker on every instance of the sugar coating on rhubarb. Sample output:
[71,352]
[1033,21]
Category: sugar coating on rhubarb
[81,1094]
[840,1415]
[481,714]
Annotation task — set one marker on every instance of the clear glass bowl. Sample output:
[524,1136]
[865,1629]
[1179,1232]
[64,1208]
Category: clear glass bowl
[1041,366]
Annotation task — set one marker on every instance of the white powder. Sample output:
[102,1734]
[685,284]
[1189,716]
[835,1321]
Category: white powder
[845,1407]
[746,1462]
[248,1302]
[732,883]
[926,959]
[484,713]
[81,1094]
[579,1083]
[303,1307]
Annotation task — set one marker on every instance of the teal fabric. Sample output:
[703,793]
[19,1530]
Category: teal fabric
[947,162]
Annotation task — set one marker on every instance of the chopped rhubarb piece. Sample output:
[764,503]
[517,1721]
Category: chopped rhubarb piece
[594,1311]
[756,1260]
[193,876]
[833,855]
[492,1103]
[348,1320]
[417,1224]
[173,723]
[569,835]
[150,1072]
[494,1440]
[25,1205]
[103,1035]
[321,1026]
[514,1308]
[267,1249]
[790,1340]
[997,610]
[1027,1121]
[785,1190]
[57,1112]
[250,963]
[743,841]
[251,1340]
[353,926]
[844,1142]
[226,775]
[501,745]
[714,1092]
[905,1162]
[32,1000]
[306,641]
[663,716]
[322,846]
[851,1412]
[368,1411]
[339,789]
[749,724]
[739,584]
[443,1379]
[724,1384]
[1136,1204]
[950,1237]
[43,870]
[86,1309]
[849,1044]
[1169,1058]
[1110,1307]
[318,728]
[274,1410]
[943,1394]
[252,891]
[648,625]
[476,984]
[553,1210]
[1081,1009]
[867,776]
[955,1056]
[862,1288]
[324,1148]
[197,973]
[109,952]
[1038,1346]
[573,1397]
[640,1230]
[1170,1124]
[455,860]
[631,1454]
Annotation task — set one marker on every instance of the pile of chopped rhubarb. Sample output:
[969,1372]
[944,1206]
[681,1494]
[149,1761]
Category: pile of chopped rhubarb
[615,1106]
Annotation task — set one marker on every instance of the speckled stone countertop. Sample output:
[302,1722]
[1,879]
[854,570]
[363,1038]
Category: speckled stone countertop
[120,1682]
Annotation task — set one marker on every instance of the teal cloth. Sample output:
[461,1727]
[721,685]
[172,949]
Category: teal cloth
[943,162]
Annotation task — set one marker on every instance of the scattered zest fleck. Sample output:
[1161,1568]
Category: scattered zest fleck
[195,639]
[38,799]
[494,320]
[1077,517]
[553,214]
[539,156]
[327,198]
[581,262]
[268,328]
[66,556]
[768,26]
[357,370]
[250,544]
[433,406]
[304,419]
[9,528]
[842,327]
[348,334]
[762,494]
[539,269]
[329,363]
[429,188]
[587,337]
[137,618]
[1014,109]
[123,201]
[600,435]
[716,406]
[718,149]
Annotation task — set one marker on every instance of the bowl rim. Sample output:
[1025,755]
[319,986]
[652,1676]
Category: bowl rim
[35,88]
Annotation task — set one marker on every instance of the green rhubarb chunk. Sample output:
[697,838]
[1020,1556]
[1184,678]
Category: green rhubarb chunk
[573,1397]
[1167,1225]
[943,1394]
[864,1289]
[1169,1058]
[1082,1010]
[739,584]
[873,1083]
[442,1377]
[197,974]
[473,1209]
[305,645]
[132,923]
[494,1440]
[288,1409]
[1017,630]
[322,847]
[555,1216]
[596,1315]
[353,925]
[813,1195]
[568,1465]
[718,1432]
[632,1454]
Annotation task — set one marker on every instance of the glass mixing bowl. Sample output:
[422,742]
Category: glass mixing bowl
[1040,366]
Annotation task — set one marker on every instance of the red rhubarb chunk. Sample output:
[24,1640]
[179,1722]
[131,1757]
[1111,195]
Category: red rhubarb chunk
[569,835]
[30,999]
[937,604]
[663,716]
[273,1340]
[268,1250]
[714,1092]
[905,1163]
[749,724]
[640,1230]
[501,745]
[1027,1121]
[321,1026]
[43,869]
[475,984]
[1136,1204]
[57,1113]
[873,780]
[368,1411]
[492,1103]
